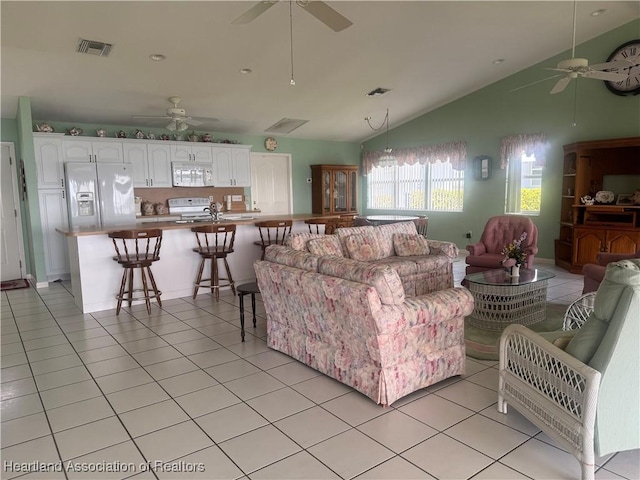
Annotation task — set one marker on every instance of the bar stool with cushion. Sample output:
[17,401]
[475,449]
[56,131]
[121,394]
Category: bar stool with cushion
[137,250]
[215,242]
[272,232]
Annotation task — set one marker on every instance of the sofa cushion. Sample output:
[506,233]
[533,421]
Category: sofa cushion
[298,241]
[285,255]
[365,247]
[329,245]
[407,244]
[384,279]
[399,227]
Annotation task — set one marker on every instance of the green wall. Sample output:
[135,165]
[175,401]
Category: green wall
[485,116]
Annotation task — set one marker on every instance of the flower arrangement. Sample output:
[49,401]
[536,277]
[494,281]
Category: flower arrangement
[515,251]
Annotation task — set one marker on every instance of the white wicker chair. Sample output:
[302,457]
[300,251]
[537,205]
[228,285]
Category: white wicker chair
[589,408]
[578,311]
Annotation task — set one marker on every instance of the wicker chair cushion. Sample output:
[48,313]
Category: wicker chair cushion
[406,244]
[617,277]
[329,245]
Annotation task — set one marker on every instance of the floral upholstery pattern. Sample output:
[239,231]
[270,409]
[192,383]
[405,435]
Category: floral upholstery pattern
[385,280]
[293,258]
[329,245]
[406,244]
[365,247]
[298,241]
[343,329]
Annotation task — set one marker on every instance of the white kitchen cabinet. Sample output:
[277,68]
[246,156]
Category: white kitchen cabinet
[232,167]
[100,150]
[187,152]
[49,164]
[151,163]
[53,214]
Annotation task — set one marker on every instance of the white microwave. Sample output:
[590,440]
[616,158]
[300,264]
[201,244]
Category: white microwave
[190,174]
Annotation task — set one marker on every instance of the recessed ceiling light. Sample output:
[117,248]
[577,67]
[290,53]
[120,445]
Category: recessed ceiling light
[498,61]
[157,57]
[245,71]
[598,12]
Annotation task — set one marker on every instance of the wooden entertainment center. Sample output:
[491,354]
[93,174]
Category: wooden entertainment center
[586,230]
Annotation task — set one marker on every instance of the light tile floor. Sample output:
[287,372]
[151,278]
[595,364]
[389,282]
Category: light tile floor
[175,394]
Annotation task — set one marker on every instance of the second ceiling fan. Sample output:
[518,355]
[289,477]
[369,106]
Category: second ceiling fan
[323,12]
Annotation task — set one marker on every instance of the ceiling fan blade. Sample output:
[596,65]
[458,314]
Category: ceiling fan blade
[534,83]
[151,116]
[191,121]
[327,15]
[609,76]
[561,85]
[254,12]
[617,65]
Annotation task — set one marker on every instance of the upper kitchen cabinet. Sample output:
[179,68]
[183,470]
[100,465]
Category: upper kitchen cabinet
[49,163]
[187,152]
[151,163]
[86,150]
[232,167]
[334,189]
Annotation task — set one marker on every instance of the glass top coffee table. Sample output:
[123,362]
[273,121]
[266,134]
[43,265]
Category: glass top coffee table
[501,300]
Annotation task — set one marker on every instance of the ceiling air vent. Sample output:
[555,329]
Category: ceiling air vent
[378,91]
[92,47]
[286,125]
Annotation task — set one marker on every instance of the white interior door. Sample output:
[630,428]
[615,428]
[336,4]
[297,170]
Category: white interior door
[12,257]
[271,189]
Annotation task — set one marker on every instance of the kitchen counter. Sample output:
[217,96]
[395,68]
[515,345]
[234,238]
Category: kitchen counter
[95,276]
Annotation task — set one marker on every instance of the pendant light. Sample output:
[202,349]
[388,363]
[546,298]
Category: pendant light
[387,159]
[292,82]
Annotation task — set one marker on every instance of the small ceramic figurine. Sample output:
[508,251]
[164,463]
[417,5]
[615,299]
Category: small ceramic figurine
[44,127]
[636,197]
[101,132]
[164,136]
[193,137]
[75,131]
[160,209]
[147,208]
[122,134]
[151,136]
[207,137]
[139,134]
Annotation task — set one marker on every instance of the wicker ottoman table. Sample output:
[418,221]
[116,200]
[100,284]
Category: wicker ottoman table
[501,300]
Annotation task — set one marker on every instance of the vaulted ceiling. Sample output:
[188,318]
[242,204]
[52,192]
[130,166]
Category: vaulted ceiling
[427,53]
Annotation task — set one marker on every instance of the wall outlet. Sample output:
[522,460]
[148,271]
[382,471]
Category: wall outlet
[468,235]
[211,198]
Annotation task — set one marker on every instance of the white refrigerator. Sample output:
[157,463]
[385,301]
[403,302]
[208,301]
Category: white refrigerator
[100,194]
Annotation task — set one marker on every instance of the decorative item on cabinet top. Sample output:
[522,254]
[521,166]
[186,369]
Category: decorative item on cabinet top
[44,128]
[74,131]
[605,197]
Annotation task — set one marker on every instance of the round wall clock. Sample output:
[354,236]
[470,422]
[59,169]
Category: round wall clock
[270,144]
[631,85]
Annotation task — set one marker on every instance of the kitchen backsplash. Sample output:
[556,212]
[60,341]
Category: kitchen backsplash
[161,195]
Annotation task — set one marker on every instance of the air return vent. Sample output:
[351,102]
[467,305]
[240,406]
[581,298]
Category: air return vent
[378,91]
[286,125]
[92,47]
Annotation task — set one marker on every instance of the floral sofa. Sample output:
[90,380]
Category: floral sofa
[352,320]
[423,265]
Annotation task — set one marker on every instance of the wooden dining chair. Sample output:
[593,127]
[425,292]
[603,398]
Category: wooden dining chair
[317,225]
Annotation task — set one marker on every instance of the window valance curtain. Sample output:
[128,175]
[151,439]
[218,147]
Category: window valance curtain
[515,145]
[455,152]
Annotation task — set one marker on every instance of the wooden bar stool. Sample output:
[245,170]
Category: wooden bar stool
[317,225]
[421,225]
[215,242]
[137,250]
[342,221]
[272,232]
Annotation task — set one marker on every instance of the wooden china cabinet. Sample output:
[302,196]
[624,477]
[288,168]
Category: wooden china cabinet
[334,189]
[586,230]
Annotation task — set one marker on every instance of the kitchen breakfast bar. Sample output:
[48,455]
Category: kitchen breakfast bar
[95,276]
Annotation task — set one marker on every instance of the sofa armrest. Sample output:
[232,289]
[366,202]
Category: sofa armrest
[438,247]
[603,258]
[448,303]
[477,248]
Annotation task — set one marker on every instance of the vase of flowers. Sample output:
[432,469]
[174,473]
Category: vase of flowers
[514,255]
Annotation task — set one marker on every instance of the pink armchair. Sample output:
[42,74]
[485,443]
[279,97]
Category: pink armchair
[594,273]
[498,232]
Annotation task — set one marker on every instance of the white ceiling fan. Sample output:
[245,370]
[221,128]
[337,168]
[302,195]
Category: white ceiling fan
[573,67]
[323,12]
[179,121]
